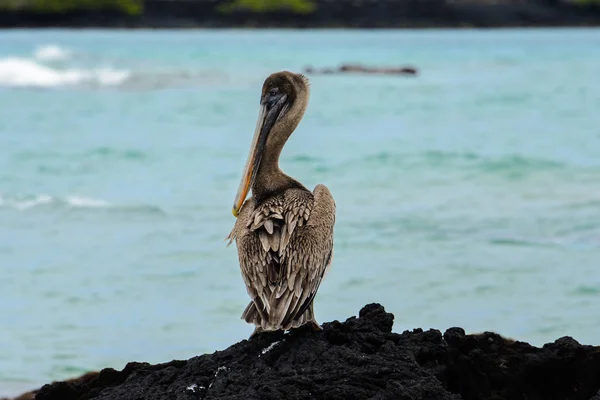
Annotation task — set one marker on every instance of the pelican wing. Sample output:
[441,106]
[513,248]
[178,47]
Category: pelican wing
[285,246]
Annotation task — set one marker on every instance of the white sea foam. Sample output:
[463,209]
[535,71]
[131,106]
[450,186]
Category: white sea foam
[51,52]
[77,201]
[27,202]
[36,201]
[23,72]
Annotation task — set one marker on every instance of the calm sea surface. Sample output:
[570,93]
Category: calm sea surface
[466,196]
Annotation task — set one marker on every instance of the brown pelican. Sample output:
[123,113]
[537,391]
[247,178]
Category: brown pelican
[283,232]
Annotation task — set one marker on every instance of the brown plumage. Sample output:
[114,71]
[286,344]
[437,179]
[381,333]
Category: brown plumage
[284,232]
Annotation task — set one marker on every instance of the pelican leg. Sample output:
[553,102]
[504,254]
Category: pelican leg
[261,334]
[315,325]
[313,321]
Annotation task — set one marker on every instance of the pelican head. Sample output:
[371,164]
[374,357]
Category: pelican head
[283,100]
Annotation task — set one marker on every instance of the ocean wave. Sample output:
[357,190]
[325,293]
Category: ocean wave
[51,52]
[21,72]
[77,201]
[22,203]
[26,73]
[467,160]
[26,202]
[41,71]
[53,66]
[123,154]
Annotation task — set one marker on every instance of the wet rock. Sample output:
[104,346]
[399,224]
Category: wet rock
[360,69]
[360,358]
[68,387]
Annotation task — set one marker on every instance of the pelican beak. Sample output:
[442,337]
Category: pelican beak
[268,114]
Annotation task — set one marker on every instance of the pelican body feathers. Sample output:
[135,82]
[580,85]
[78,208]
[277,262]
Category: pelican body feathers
[283,232]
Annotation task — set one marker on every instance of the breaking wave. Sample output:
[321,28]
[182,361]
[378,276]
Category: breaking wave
[51,53]
[22,203]
[26,202]
[52,66]
[41,71]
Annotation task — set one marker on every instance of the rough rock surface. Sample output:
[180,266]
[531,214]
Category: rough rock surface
[357,359]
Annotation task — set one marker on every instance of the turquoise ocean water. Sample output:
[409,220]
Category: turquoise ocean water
[467,196]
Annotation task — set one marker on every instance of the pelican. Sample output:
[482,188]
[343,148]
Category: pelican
[283,232]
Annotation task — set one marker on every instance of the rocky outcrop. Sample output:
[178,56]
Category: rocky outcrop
[360,358]
[80,380]
[361,69]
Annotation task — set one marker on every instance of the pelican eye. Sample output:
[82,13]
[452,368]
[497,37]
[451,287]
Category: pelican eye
[273,92]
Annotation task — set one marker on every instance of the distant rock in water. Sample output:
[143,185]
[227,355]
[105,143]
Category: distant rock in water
[360,69]
[358,359]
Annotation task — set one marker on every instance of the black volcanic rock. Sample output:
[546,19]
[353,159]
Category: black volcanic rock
[357,359]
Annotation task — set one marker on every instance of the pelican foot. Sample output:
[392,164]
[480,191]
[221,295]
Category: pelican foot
[306,329]
[315,325]
[261,333]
